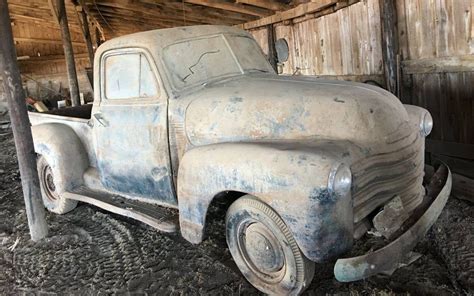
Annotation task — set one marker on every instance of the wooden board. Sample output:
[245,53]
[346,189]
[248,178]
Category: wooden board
[346,42]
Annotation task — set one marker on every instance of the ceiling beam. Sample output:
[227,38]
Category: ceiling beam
[232,7]
[138,14]
[191,11]
[298,11]
[267,4]
[159,12]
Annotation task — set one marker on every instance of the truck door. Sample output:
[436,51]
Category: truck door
[130,126]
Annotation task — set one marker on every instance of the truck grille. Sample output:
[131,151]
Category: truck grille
[380,177]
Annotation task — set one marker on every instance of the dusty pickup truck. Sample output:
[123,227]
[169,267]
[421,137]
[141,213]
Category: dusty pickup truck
[187,115]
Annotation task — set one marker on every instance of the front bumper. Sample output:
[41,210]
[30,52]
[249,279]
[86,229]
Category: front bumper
[389,257]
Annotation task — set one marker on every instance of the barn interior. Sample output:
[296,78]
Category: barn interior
[420,51]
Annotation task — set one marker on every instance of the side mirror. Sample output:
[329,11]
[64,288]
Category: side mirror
[282,50]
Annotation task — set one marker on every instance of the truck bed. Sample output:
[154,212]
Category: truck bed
[77,118]
[83,111]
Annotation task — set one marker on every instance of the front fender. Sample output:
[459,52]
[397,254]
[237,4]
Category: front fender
[63,150]
[291,178]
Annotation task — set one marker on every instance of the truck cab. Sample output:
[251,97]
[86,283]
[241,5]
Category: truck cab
[184,115]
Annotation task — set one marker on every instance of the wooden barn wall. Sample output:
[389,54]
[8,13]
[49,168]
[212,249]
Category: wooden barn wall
[347,45]
[41,56]
[344,44]
[437,31]
[35,40]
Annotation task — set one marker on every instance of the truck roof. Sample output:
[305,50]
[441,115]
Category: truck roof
[163,37]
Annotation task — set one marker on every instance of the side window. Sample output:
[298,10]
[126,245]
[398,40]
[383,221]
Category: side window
[129,76]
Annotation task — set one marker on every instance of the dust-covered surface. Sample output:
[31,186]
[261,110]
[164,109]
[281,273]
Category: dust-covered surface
[90,251]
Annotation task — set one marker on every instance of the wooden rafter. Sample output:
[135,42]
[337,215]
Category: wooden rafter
[267,4]
[120,17]
[298,11]
[235,7]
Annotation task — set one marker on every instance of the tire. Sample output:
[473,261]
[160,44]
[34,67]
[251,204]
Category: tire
[264,249]
[52,200]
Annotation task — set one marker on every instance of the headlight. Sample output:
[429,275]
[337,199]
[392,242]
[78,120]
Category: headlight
[426,124]
[340,180]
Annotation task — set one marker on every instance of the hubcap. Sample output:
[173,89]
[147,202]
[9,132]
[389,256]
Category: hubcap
[262,251]
[48,182]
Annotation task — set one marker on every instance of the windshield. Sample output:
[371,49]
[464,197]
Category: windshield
[199,60]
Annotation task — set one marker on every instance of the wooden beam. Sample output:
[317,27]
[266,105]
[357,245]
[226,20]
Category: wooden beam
[272,54]
[50,58]
[137,17]
[68,53]
[199,15]
[454,149]
[464,63]
[54,11]
[82,17]
[231,7]
[267,4]
[45,41]
[300,10]
[463,187]
[13,91]
[456,165]
[40,21]
[42,12]
[388,14]
[92,18]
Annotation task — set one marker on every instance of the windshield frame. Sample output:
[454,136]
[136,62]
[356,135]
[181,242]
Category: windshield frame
[225,36]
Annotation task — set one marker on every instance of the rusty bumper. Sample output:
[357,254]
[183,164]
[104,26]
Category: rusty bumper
[388,257]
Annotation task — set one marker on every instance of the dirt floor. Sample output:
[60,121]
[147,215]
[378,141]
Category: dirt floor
[93,252]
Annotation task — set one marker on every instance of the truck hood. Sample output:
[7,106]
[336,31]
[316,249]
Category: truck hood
[292,108]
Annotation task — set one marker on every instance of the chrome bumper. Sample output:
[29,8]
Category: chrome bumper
[388,257]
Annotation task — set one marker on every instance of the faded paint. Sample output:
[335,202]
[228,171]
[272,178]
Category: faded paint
[276,174]
[277,138]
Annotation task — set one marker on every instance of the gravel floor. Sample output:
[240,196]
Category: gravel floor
[90,251]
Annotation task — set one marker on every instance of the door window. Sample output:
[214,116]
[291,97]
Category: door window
[129,76]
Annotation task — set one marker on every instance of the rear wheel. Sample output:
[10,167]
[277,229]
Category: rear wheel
[52,200]
[264,249]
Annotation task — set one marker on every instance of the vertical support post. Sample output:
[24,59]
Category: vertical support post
[389,43]
[68,53]
[87,37]
[272,55]
[15,95]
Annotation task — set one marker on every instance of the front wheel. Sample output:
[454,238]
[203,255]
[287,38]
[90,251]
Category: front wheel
[264,249]
[52,199]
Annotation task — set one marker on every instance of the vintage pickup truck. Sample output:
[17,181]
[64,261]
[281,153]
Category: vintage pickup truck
[185,115]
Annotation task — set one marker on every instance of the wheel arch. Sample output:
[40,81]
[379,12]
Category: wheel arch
[64,152]
[290,181]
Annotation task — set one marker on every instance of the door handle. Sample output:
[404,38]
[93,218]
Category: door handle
[100,119]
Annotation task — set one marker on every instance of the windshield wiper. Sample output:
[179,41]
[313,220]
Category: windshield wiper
[197,62]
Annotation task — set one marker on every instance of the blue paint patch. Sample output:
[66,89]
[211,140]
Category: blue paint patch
[323,196]
[140,185]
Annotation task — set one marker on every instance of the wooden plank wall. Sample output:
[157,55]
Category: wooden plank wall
[41,57]
[436,30]
[344,44]
[436,40]
[35,43]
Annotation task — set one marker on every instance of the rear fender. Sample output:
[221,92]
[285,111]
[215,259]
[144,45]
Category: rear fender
[63,150]
[288,177]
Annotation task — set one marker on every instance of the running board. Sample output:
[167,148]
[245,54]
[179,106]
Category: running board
[161,218]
